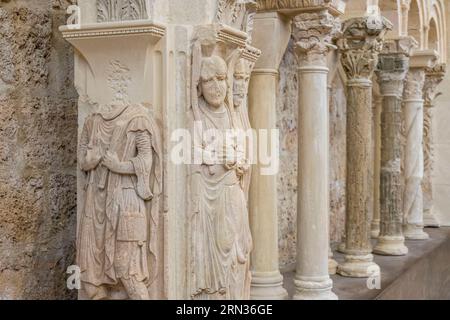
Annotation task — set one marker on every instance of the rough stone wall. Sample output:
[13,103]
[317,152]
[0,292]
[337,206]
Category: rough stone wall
[287,113]
[338,145]
[38,136]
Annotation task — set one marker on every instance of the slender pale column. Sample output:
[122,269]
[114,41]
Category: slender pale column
[433,76]
[271,34]
[375,224]
[413,167]
[392,68]
[312,33]
[359,46]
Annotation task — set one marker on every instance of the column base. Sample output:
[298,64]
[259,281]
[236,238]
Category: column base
[375,229]
[267,286]
[391,246]
[429,220]
[341,247]
[375,232]
[358,266]
[332,266]
[414,232]
[314,289]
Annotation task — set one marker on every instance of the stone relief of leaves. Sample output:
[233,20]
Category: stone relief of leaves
[121,10]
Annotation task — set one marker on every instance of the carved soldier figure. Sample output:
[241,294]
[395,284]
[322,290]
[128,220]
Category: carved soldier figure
[219,227]
[120,154]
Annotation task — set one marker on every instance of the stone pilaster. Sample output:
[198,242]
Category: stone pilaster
[313,33]
[392,68]
[433,77]
[360,44]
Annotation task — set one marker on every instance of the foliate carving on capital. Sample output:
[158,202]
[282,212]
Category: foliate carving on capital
[433,77]
[121,10]
[391,73]
[414,83]
[313,34]
[360,44]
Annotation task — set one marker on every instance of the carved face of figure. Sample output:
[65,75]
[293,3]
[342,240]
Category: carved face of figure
[213,80]
[241,78]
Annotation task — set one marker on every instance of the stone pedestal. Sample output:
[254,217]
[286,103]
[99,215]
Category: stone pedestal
[392,68]
[267,282]
[413,153]
[312,279]
[359,46]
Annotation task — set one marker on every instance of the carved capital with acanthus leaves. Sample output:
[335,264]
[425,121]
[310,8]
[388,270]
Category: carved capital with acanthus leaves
[393,64]
[313,34]
[360,44]
[433,77]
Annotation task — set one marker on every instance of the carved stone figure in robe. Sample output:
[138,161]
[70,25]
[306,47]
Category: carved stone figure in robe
[120,154]
[219,228]
[241,79]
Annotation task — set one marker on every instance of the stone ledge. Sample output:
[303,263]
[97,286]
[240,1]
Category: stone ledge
[422,274]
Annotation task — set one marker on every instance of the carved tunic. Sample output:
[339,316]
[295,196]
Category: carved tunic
[116,231]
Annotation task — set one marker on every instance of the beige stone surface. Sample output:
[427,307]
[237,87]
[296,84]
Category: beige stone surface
[37,152]
[39,121]
[287,113]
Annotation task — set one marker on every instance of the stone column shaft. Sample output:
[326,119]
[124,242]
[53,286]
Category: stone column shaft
[392,68]
[359,46]
[263,193]
[312,280]
[267,281]
[433,76]
[413,167]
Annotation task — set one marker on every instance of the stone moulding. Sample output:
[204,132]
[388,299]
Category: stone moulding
[399,45]
[251,54]
[114,29]
[423,58]
[335,7]
[220,33]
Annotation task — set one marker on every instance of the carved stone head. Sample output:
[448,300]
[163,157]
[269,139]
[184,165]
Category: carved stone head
[241,78]
[213,80]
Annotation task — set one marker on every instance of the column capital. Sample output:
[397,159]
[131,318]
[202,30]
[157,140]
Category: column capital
[393,64]
[360,44]
[433,76]
[313,34]
[414,83]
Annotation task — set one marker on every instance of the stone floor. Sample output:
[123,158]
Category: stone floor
[423,274]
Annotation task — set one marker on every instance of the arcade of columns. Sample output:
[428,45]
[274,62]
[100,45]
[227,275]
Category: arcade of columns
[388,182]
